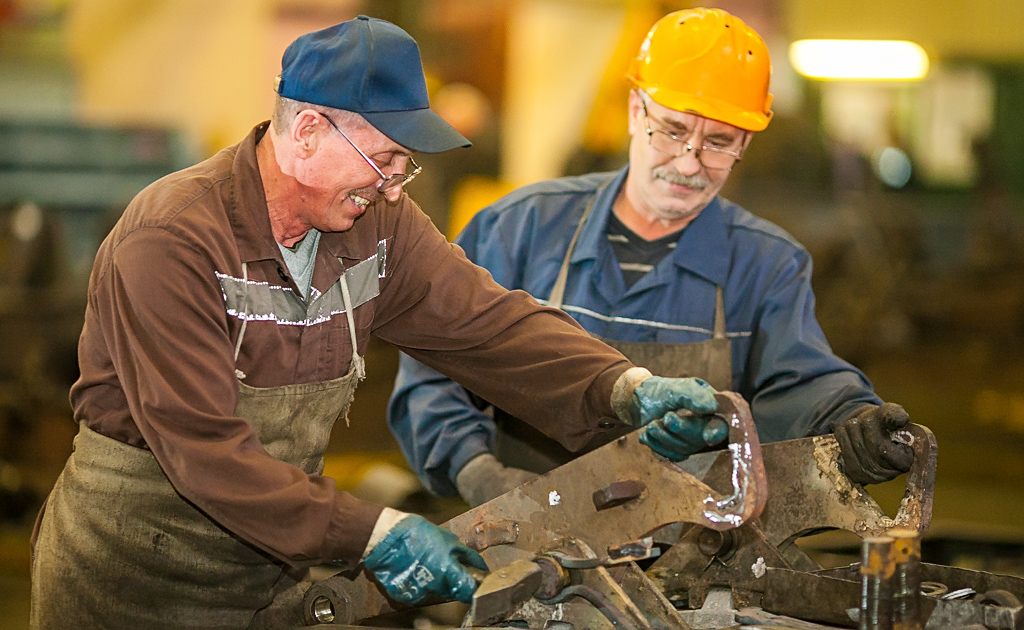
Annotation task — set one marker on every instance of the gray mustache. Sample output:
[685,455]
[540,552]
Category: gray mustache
[672,176]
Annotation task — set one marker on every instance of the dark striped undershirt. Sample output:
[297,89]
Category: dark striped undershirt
[636,255]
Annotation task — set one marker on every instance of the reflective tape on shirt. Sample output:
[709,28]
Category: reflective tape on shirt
[643,322]
[261,301]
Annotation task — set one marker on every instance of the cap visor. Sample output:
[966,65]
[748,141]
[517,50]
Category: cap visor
[418,129]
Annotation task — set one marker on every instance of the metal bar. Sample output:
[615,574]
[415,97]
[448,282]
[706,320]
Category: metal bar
[811,597]
[876,570]
[906,604]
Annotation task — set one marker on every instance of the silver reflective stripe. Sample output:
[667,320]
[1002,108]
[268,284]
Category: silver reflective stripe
[249,300]
[636,267]
[643,322]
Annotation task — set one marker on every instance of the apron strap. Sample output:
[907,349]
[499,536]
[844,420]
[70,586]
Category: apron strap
[558,291]
[358,364]
[245,318]
[719,314]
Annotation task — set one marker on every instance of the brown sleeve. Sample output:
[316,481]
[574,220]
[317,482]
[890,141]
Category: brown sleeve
[533,361]
[162,315]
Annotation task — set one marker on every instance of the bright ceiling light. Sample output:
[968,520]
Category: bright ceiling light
[859,59]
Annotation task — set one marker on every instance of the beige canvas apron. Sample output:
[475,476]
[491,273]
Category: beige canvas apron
[118,548]
[520,445]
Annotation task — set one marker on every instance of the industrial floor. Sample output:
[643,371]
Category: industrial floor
[970,393]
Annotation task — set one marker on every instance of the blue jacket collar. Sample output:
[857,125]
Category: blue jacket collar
[592,237]
[702,247]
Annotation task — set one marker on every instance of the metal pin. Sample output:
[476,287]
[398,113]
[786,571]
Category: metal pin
[876,570]
[906,602]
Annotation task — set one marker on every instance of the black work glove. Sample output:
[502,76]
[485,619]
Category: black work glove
[868,448]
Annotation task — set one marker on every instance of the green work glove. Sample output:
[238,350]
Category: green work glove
[869,444]
[675,437]
[417,560]
[656,396]
[655,405]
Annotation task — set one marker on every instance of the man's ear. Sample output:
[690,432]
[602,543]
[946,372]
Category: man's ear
[305,133]
[748,136]
[746,141]
[635,108]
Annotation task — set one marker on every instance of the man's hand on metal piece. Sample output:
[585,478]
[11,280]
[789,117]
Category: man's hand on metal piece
[873,444]
[656,405]
[417,560]
[484,478]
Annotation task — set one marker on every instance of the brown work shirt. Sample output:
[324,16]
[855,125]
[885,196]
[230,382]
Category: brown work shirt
[167,298]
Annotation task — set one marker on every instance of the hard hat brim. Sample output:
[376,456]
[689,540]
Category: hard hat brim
[711,108]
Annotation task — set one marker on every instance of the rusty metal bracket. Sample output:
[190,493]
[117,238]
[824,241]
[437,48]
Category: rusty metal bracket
[692,566]
[620,597]
[617,495]
[637,492]
[809,491]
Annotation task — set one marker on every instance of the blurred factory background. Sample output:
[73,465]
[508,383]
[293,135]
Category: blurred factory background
[909,194]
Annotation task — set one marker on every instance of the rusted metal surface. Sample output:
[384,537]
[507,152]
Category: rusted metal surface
[561,503]
[633,551]
[489,533]
[614,497]
[756,618]
[809,491]
[876,570]
[649,598]
[946,614]
[344,599]
[618,493]
[629,590]
[597,597]
[832,596]
[906,586]
[685,572]
[811,597]
[713,543]
[503,590]
[950,578]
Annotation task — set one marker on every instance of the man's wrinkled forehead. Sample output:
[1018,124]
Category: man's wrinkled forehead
[689,119]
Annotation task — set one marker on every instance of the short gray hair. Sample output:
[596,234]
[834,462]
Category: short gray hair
[286,109]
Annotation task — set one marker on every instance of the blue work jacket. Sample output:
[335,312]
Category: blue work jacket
[781,363]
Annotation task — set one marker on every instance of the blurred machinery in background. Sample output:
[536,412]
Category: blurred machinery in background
[62,186]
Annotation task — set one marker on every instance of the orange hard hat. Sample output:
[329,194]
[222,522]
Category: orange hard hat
[708,62]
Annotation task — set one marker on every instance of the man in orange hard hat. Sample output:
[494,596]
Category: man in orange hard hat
[654,262]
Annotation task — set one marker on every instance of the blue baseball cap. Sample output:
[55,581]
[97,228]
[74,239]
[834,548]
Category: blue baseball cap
[371,67]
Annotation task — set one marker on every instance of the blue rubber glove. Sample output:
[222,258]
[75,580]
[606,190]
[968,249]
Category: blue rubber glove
[417,560]
[669,434]
[657,396]
[676,437]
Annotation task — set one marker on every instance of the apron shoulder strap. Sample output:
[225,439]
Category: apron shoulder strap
[719,314]
[558,291]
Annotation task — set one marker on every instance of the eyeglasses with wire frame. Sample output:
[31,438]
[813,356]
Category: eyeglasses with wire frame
[668,143]
[390,182]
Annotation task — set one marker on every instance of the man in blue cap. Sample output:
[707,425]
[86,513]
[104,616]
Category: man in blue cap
[228,313]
